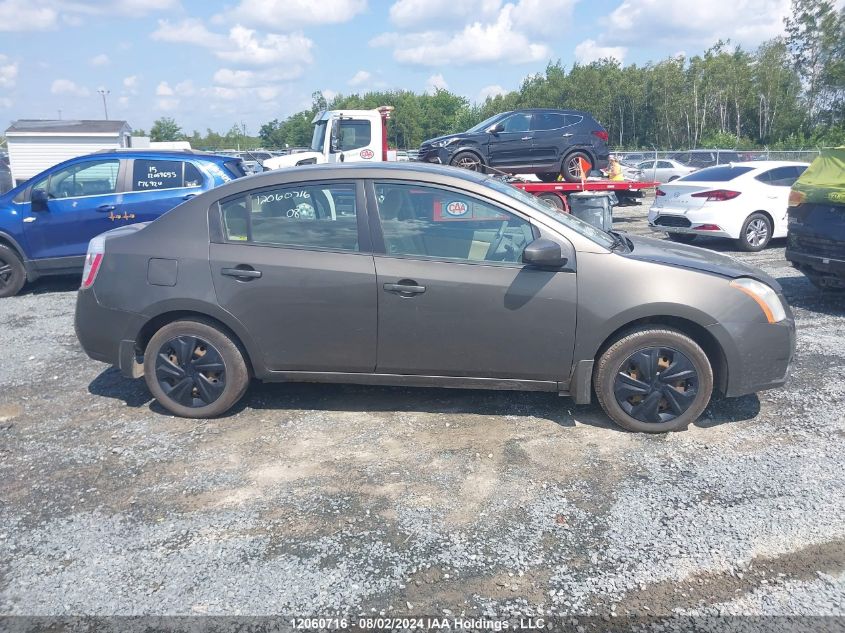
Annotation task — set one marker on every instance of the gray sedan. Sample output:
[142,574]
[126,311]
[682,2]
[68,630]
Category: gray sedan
[663,170]
[421,275]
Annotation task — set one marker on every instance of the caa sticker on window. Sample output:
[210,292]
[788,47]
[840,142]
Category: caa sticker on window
[457,209]
[367,154]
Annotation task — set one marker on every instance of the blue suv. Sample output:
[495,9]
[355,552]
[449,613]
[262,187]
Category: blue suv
[47,222]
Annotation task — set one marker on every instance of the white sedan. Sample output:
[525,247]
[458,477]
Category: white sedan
[746,202]
[664,170]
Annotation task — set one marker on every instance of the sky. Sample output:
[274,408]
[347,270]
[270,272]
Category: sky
[215,64]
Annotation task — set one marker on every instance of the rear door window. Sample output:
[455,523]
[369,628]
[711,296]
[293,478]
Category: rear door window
[781,176]
[722,173]
[151,175]
[318,216]
[549,121]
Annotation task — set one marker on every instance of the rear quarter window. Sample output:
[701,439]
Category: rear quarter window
[722,173]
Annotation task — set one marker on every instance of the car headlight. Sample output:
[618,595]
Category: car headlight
[444,142]
[765,297]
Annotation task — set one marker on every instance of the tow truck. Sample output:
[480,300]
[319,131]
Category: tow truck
[361,136]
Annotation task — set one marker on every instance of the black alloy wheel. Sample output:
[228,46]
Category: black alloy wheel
[12,272]
[656,385]
[467,160]
[190,371]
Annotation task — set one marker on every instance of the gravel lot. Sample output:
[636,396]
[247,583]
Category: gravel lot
[318,500]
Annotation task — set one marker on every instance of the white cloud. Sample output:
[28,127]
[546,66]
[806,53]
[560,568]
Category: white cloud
[234,78]
[746,22]
[42,15]
[544,17]
[188,31]
[167,104]
[478,42]
[329,94]
[164,90]
[361,77]
[130,84]
[8,72]
[250,50]
[123,101]
[420,13]
[267,93]
[588,51]
[25,15]
[287,15]
[99,60]
[490,91]
[67,87]
[185,88]
[5,102]
[435,83]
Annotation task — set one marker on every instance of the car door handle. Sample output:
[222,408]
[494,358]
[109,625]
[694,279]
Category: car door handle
[189,196]
[405,289]
[526,138]
[105,208]
[241,273]
[567,135]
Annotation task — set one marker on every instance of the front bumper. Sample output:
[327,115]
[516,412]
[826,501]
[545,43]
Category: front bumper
[438,155]
[759,357]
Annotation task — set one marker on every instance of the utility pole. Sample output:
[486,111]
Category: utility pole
[103,92]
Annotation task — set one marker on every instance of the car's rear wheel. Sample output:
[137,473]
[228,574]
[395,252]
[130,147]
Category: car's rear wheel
[551,199]
[194,369]
[756,233]
[654,380]
[682,238]
[571,168]
[467,160]
[12,272]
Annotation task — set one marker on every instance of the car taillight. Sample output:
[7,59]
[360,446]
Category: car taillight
[659,193]
[602,134]
[707,227]
[717,195]
[796,198]
[93,261]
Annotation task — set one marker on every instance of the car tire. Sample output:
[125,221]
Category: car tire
[682,238]
[636,393]
[551,199]
[756,233]
[547,177]
[179,379]
[467,160]
[571,168]
[12,272]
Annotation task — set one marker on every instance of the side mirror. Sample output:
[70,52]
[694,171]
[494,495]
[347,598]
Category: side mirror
[38,200]
[544,253]
[495,128]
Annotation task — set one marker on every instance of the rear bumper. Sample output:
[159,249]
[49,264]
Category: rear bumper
[105,334]
[824,265]
[687,231]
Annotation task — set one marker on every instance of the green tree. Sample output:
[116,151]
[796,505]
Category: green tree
[165,129]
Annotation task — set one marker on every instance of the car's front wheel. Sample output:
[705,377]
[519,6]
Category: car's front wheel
[467,160]
[12,272]
[654,380]
[194,369]
[756,233]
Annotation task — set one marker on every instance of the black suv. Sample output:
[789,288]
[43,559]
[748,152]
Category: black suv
[547,143]
[815,242]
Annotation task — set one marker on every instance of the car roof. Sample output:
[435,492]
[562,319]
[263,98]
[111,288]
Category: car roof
[763,164]
[157,153]
[395,169]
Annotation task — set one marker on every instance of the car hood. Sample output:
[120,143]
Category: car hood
[445,138]
[683,256]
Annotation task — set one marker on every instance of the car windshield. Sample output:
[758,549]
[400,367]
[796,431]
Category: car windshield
[579,226]
[721,173]
[485,123]
[319,137]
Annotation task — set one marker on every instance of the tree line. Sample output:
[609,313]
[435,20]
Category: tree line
[787,93]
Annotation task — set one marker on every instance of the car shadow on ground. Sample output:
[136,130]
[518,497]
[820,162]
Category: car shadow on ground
[369,399]
[800,293]
[65,283]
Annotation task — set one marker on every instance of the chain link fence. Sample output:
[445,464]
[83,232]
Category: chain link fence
[717,156]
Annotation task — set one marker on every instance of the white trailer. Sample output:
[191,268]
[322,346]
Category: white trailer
[35,144]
